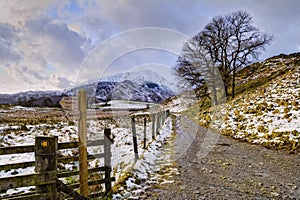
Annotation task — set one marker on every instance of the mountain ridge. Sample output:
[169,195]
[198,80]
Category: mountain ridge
[103,90]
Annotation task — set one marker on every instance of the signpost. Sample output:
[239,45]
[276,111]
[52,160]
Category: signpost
[69,103]
[82,135]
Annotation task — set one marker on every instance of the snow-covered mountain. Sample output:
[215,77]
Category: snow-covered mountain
[144,85]
[164,76]
[128,90]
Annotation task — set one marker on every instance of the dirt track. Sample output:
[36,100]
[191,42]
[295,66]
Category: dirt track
[232,170]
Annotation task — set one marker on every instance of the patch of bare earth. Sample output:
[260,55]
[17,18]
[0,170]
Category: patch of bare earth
[29,115]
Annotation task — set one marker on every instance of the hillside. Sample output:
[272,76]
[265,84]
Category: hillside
[266,109]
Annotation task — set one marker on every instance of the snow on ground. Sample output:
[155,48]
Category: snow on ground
[182,102]
[117,104]
[122,148]
[269,116]
[145,171]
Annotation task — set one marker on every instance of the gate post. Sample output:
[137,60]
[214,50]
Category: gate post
[107,159]
[46,161]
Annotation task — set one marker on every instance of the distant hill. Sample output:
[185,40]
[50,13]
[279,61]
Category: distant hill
[33,98]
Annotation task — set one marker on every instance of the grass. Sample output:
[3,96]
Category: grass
[192,113]
[5,106]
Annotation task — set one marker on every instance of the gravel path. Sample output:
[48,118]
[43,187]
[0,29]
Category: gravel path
[232,170]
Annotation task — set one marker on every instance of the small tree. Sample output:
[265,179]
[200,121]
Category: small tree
[230,42]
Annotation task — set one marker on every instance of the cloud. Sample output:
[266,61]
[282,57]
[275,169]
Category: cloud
[56,42]
[178,15]
[7,38]
[59,81]
[30,41]
[41,42]
[16,12]
[135,40]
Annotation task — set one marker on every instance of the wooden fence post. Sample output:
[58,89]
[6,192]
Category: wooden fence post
[46,161]
[82,136]
[161,119]
[157,124]
[153,126]
[135,147]
[145,136]
[107,159]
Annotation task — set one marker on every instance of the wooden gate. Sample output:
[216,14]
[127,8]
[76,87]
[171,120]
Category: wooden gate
[47,179]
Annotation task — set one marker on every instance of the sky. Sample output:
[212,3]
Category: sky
[56,44]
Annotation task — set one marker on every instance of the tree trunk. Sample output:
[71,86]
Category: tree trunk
[213,87]
[233,83]
[226,89]
[215,96]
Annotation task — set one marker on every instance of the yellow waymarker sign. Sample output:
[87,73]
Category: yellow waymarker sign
[44,143]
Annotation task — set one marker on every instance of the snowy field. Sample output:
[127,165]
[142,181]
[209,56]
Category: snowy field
[122,148]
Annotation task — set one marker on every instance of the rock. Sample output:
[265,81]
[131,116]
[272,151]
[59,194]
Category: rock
[14,172]
[275,194]
[197,192]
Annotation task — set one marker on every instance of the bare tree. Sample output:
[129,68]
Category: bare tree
[230,42]
[197,68]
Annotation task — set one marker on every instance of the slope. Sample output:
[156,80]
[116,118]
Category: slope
[266,111]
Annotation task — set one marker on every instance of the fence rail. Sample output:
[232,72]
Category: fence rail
[26,180]
[16,165]
[16,149]
[29,196]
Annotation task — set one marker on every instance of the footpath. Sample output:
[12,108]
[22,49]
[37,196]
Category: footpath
[231,170]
